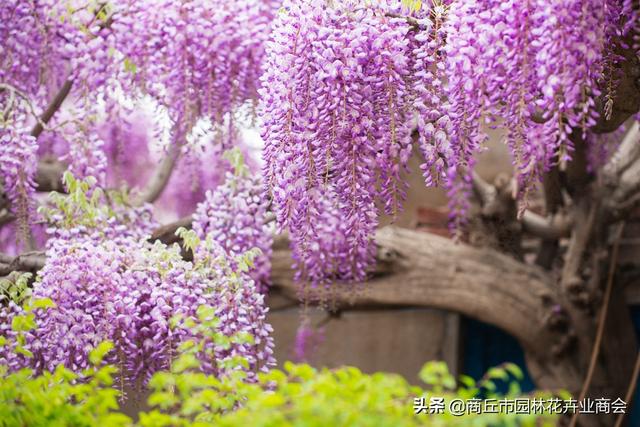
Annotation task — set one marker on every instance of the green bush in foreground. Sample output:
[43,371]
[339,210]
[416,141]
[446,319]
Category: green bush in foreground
[299,395]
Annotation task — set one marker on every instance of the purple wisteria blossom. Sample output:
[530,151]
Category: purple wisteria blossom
[337,117]
[344,87]
[235,216]
[18,163]
[127,291]
[307,340]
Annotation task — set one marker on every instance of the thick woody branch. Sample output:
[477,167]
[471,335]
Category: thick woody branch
[53,107]
[422,269]
[581,235]
[414,23]
[28,261]
[483,190]
[627,152]
[546,228]
[49,175]
[621,176]
[158,182]
[629,183]
[167,233]
[554,227]
[553,200]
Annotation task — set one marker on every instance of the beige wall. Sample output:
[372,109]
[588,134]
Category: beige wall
[395,340]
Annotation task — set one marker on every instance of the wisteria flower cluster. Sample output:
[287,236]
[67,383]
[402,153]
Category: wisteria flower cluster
[41,39]
[198,58]
[234,214]
[345,86]
[514,65]
[128,291]
[129,294]
[126,137]
[195,59]
[308,339]
[17,175]
[515,62]
[337,116]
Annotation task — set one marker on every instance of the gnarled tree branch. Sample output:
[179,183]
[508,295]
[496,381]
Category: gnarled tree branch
[158,182]
[28,261]
[167,233]
[423,269]
[627,152]
[553,227]
[53,107]
[49,175]
[532,223]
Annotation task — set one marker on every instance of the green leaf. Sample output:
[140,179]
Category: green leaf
[43,303]
[175,320]
[163,399]
[514,370]
[162,381]
[129,66]
[235,157]
[467,381]
[190,239]
[69,181]
[98,354]
[205,312]
[21,350]
[23,323]
[185,362]
[412,5]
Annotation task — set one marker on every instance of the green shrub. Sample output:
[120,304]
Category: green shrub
[298,395]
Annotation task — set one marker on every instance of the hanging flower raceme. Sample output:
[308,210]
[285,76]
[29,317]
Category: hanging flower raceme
[126,135]
[600,147]
[107,283]
[196,59]
[308,339]
[128,294]
[344,84]
[194,175]
[199,58]
[18,164]
[242,311]
[337,117]
[515,65]
[430,103]
[235,216]
[45,43]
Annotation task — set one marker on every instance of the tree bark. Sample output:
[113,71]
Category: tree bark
[422,269]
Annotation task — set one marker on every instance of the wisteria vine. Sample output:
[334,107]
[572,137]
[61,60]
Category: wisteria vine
[345,86]
[343,90]
[106,282]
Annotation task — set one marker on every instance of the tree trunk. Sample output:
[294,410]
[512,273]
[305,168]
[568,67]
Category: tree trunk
[422,269]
